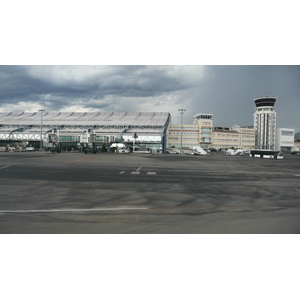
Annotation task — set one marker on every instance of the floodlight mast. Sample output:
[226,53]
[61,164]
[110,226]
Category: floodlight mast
[134,140]
[181,111]
[41,146]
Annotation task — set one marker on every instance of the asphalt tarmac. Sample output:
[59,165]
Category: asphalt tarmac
[111,193]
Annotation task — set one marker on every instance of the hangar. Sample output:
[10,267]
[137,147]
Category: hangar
[146,129]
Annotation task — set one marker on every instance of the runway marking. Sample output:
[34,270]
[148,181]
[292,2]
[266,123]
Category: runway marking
[221,206]
[74,210]
[70,210]
[78,160]
[4,167]
[136,173]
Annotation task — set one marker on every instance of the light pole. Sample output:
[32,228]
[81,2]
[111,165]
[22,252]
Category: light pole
[41,110]
[181,111]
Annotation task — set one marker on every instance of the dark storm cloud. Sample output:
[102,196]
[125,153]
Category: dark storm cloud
[17,85]
[130,81]
[134,84]
[228,92]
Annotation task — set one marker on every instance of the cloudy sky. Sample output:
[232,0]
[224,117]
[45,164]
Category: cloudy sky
[225,91]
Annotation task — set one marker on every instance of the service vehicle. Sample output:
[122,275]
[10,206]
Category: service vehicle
[122,150]
[235,152]
[264,153]
[142,150]
[197,150]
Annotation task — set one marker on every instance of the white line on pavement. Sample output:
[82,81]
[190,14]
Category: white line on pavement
[5,167]
[68,210]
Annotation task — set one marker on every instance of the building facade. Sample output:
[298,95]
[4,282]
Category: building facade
[190,136]
[203,134]
[235,137]
[197,134]
[285,139]
[265,123]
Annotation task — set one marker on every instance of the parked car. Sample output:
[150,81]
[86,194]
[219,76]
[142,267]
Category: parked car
[174,152]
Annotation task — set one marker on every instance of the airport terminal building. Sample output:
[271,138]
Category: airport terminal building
[146,129]
[202,133]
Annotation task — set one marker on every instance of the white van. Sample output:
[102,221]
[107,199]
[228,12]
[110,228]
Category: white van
[122,150]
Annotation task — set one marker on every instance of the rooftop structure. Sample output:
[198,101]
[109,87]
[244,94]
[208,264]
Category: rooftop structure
[265,101]
[203,116]
[237,137]
[150,127]
[85,118]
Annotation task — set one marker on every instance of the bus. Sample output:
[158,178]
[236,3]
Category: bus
[264,153]
[142,150]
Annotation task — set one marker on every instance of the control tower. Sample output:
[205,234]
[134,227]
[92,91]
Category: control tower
[205,124]
[265,123]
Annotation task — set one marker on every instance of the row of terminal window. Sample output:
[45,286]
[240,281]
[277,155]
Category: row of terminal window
[184,133]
